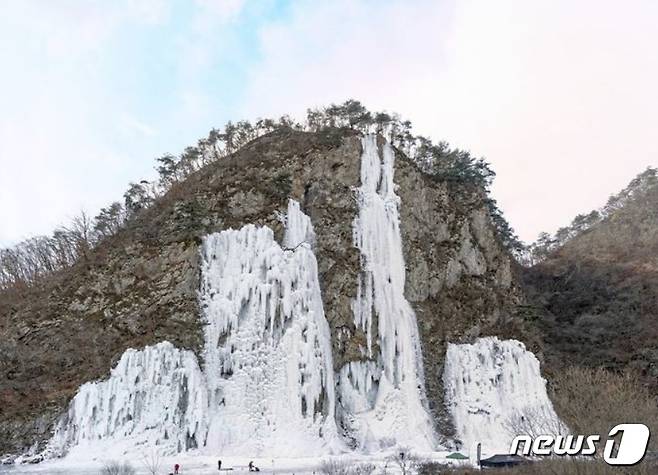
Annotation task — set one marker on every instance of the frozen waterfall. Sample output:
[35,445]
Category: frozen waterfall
[494,391]
[382,398]
[155,396]
[268,347]
[267,384]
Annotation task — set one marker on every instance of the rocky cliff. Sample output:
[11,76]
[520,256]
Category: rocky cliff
[140,287]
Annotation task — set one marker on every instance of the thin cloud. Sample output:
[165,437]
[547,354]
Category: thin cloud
[560,97]
[131,123]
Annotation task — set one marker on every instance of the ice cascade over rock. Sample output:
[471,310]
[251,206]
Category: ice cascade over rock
[268,347]
[267,384]
[153,396]
[494,391]
[381,398]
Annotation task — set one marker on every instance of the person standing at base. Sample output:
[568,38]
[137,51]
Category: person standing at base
[219,465]
[176,468]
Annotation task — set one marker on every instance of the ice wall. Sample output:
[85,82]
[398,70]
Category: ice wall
[267,343]
[494,391]
[155,396]
[267,385]
[381,398]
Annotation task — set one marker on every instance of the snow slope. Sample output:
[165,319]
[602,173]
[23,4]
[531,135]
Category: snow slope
[382,397]
[494,391]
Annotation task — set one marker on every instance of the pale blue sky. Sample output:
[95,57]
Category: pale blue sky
[559,96]
[92,91]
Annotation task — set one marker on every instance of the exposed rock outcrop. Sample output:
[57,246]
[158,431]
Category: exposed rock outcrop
[459,277]
[140,286]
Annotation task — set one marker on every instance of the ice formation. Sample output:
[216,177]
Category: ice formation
[267,384]
[268,347]
[155,396]
[494,391]
[382,399]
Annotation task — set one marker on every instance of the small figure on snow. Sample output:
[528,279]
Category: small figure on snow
[253,468]
[219,465]
[176,468]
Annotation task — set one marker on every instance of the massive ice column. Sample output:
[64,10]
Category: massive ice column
[153,397]
[382,399]
[267,343]
[494,391]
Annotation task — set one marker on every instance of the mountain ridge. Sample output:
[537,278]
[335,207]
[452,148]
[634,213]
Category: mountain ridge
[139,287]
[597,292]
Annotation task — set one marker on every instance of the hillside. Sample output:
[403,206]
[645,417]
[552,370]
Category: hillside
[597,293]
[141,285]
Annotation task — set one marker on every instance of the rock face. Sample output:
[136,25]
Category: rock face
[141,286]
[459,278]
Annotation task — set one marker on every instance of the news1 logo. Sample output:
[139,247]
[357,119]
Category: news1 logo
[630,448]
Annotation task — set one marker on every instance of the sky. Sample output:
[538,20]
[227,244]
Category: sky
[559,96]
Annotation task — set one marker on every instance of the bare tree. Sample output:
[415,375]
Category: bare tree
[535,422]
[334,467]
[109,221]
[116,468]
[81,231]
[364,469]
[592,401]
[407,461]
[151,460]
[344,467]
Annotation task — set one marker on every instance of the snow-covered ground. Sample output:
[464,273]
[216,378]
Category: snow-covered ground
[202,465]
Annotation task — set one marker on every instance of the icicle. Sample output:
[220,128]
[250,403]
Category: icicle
[383,401]
[494,391]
